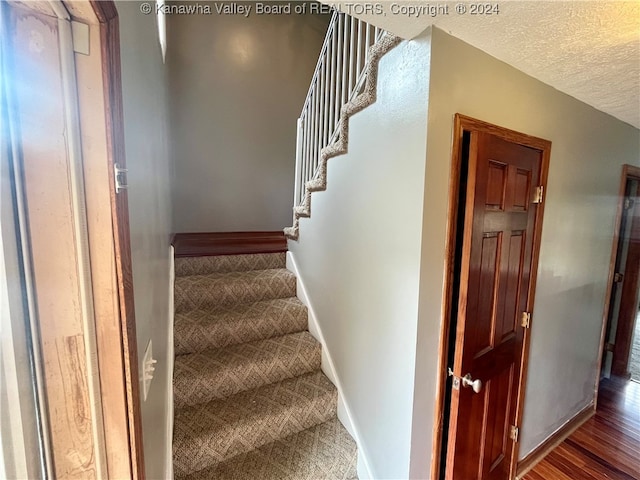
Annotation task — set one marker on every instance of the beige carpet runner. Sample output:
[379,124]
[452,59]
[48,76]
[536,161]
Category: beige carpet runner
[250,399]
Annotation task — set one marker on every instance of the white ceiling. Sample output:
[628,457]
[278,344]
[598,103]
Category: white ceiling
[587,49]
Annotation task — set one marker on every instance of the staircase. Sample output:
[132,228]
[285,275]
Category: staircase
[343,84]
[249,397]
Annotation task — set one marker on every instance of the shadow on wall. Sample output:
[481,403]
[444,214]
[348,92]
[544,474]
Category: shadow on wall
[237,86]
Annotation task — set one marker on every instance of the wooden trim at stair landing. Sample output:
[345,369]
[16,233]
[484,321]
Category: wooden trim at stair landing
[228,243]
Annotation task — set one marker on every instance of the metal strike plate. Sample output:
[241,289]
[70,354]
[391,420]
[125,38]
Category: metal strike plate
[466,381]
[456,380]
[120,178]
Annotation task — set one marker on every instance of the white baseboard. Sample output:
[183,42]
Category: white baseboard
[328,368]
[170,360]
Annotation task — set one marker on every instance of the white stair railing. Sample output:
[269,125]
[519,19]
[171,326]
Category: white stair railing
[339,77]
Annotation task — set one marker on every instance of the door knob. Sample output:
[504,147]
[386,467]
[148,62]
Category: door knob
[476,385]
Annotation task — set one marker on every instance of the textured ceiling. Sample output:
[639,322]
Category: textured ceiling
[587,49]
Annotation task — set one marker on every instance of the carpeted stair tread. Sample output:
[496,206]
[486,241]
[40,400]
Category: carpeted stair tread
[198,330]
[206,291]
[207,434]
[217,373]
[228,263]
[325,451]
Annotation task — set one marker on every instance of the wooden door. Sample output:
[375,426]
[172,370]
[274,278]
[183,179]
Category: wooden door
[65,108]
[107,16]
[49,185]
[497,257]
[629,270]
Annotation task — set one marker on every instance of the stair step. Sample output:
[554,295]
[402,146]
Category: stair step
[228,263]
[218,373]
[215,289]
[198,330]
[207,434]
[325,451]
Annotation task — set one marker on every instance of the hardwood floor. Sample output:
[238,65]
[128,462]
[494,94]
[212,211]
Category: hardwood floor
[634,357]
[607,446]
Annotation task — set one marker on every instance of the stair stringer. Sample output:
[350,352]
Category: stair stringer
[340,146]
[328,368]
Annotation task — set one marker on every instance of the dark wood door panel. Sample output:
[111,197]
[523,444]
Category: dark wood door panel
[490,363]
[497,252]
[482,312]
[629,294]
[496,445]
[508,316]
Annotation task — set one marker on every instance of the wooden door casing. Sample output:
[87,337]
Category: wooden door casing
[78,437]
[45,168]
[500,247]
[107,16]
[629,295]
[621,249]
[629,173]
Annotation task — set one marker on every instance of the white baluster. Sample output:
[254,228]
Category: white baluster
[338,77]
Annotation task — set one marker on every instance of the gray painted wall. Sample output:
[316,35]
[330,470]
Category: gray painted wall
[358,253]
[359,256]
[589,148]
[237,88]
[144,88]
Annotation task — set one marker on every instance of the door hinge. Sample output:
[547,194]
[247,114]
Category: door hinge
[618,277]
[525,320]
[538,195]
[608,347]
[628,203]
[120,177]
[514,432]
